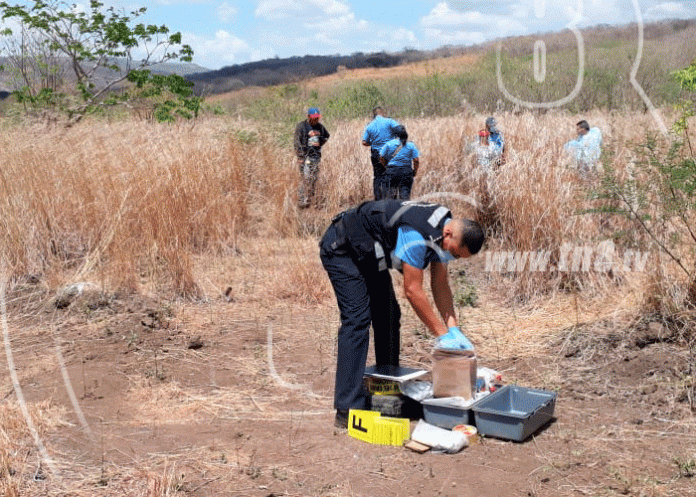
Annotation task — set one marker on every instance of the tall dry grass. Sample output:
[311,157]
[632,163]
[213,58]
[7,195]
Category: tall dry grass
[132,202]
[536,201]
[130,199]
[18,453]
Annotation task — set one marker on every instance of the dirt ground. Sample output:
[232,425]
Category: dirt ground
[140,395]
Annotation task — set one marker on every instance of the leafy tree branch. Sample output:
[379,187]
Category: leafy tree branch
[97,44]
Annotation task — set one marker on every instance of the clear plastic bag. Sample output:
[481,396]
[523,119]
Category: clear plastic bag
[439,438]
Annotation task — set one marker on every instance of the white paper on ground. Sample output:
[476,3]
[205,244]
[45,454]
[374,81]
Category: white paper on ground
[439,438]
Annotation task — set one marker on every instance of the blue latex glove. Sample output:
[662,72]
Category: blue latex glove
[453,339]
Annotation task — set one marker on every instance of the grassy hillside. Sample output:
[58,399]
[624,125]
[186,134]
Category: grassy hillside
[125,201]
[277,71]
[469,81]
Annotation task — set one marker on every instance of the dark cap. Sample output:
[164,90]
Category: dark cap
[491,124]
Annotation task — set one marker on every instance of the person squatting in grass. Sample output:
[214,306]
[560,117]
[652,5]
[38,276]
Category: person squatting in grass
[497,140]
[310,136]
[357,250]
[484,154]
[400,159]
[376,134]
[586,149]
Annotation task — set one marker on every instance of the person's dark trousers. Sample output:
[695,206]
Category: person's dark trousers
[365,295]
[380,182]
[400,180]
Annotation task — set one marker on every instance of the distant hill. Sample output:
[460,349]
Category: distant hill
[276,71]
[180,68]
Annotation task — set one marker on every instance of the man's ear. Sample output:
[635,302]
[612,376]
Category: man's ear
[447,230]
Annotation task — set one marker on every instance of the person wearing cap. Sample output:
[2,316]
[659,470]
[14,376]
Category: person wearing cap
[496,138]
[376,135]
[310,136]
[400,159]
[357,250]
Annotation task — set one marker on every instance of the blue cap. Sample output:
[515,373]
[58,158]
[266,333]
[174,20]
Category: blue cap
[313,112]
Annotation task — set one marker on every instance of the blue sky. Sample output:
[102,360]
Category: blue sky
[226,32]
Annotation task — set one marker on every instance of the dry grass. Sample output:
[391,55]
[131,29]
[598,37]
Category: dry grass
[121,199]
[130,203]
[20,461]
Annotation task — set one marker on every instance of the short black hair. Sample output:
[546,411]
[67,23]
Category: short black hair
[472,236]
[400,133]
[584,125]
[377,110]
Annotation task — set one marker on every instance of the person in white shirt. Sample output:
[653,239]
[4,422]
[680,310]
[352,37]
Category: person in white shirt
[586,149]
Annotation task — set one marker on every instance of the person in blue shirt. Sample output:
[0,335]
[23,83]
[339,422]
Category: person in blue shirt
[376,134]
[400,158]
[496,138]
[357,250]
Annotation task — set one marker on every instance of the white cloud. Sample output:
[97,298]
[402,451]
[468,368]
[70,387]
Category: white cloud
[220,50]
[325,40]
[387,38]
[314,27]
[607,12]
[669,10]
[520,11]
[445,25]
[403,36]
[282,9]
[275,9]
[443,15]
[337,25]
[473,19]
[226,12]
[163,3]
[180,2]
[459,37]
[11,24]
[331,7]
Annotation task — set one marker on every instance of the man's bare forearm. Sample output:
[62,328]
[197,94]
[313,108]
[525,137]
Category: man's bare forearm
[413,287]
[442,294]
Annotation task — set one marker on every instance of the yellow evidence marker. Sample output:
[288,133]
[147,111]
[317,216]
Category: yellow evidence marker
[371,427]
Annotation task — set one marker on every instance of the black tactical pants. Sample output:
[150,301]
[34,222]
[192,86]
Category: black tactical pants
[365,296]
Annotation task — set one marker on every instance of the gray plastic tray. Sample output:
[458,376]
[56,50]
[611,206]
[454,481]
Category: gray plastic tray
[438,413]
[514,413]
